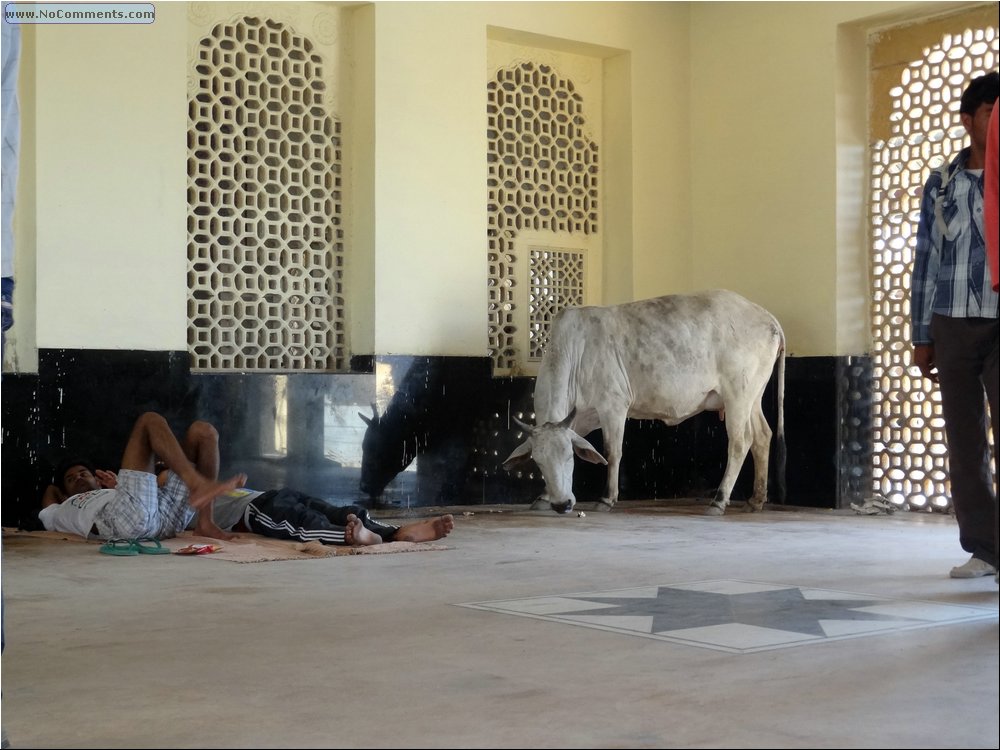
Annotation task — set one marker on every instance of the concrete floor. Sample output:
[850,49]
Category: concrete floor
[372,651]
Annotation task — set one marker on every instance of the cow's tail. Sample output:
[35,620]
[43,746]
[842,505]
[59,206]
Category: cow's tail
[780,452]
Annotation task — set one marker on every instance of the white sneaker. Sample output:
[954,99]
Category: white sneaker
[973,569]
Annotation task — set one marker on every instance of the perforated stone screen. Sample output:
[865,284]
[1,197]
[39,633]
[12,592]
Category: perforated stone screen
[556,282]
[910,449]
[265,241]
[543,176]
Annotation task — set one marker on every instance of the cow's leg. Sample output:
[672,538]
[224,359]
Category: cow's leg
[613,428]
[738,429]
[760,449]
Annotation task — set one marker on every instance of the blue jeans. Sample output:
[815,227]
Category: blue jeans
[7,302]
[8,321]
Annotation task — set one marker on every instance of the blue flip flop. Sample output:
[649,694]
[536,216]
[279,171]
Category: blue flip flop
[147,545]
[119,547]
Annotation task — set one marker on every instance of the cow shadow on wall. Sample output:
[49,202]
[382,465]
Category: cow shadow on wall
[418,449]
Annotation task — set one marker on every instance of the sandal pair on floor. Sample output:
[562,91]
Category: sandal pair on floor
[126,547]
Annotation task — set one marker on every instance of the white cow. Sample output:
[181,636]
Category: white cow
[666,358]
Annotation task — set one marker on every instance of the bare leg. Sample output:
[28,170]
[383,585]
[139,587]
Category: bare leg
[356,535]
[201,446]
[151,437]
[427,530]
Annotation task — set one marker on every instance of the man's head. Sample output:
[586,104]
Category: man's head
[981,90]
[978,101]
[76,475]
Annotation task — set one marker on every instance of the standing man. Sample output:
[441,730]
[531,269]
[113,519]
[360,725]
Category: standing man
[10,127]
[955,329]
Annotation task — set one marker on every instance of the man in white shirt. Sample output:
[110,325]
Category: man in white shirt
[130,504]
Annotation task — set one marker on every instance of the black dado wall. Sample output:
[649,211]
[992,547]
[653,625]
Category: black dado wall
[304,430]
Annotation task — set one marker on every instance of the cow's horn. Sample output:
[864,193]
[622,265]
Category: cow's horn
[368,420]
[527,428]
[569,418]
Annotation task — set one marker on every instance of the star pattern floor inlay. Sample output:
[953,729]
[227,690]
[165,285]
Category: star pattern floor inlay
[736,616]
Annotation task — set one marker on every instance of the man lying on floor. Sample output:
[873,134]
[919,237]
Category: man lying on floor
[136,503]
[289,514]
[131,504]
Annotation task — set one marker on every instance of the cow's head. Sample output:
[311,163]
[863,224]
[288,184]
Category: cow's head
[385,451]
[551,446]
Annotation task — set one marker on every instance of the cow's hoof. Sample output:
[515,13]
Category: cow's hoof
[539,505]
[714,510]
[603,505]
[752,507]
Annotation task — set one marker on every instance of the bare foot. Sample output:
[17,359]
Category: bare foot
[426,531]
[356,535]
[205,492]
[212,531]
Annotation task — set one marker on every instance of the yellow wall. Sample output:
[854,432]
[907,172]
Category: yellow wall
[738,161]
[430,146]
[779,150]
[110,184]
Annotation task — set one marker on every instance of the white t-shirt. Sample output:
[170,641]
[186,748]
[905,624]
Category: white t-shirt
[76,514]
[229,508]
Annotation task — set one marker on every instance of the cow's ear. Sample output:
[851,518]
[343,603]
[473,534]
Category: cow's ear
[585,450]
[520,455]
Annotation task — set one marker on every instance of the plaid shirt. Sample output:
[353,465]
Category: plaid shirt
[950,276]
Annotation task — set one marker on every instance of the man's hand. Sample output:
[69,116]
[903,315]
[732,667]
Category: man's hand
[52,496]
[923,358]
[107,479]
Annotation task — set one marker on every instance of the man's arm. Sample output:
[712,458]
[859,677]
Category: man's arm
[926,263]
[52,496]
